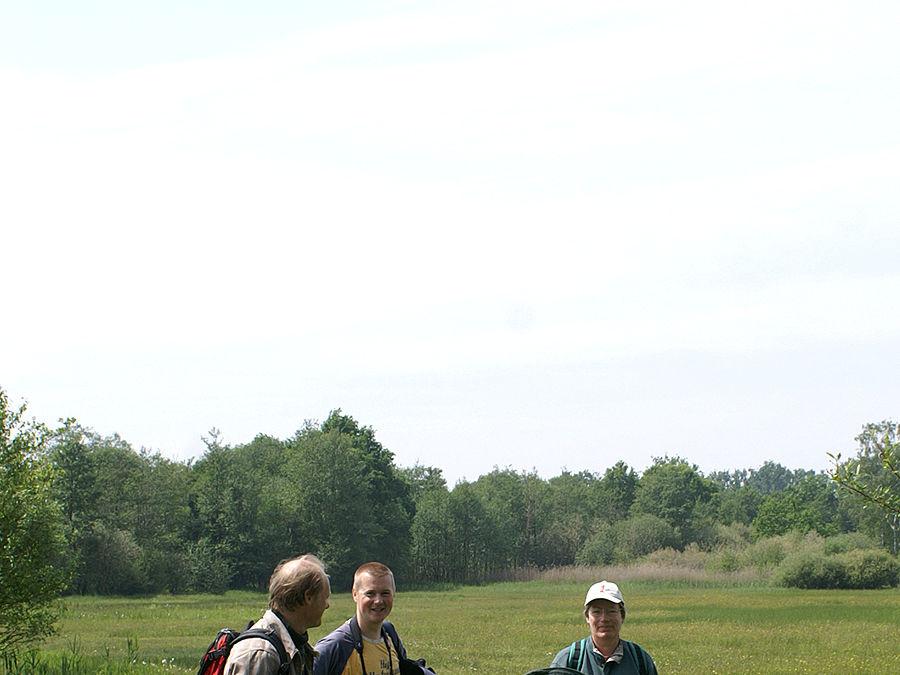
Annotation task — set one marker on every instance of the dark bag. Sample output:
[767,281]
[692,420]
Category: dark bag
[213,661]
[407,666]
[413,666]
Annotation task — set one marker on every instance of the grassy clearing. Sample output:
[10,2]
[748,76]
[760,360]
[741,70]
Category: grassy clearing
[514,627]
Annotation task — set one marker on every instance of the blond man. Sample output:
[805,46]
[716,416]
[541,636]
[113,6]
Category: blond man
[367,643]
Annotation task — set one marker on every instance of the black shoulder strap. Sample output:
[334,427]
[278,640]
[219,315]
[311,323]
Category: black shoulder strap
[639,655]
[576,655]
[356,634]
[272,638]
[395,638]
[387,629]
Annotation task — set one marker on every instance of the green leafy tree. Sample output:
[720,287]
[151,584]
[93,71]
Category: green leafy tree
[729,480]
[601,547]
[245,504]
[675,491]
[810,505]
[334,495]
[390,502]
[738,505]
[115,562]
[75,488]
[75,480]
[514,502]
[421,480]
[642,534]
[571,506]
[472,536]
[873,476]
[616,492]
[32,544]
[772,477]
[431,545]
[121,505]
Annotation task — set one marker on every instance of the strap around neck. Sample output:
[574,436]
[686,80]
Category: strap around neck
[356,631]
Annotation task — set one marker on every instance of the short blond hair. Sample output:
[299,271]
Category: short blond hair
[295,578]
[375,569]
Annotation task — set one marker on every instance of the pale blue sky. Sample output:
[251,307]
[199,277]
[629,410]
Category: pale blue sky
[536,234]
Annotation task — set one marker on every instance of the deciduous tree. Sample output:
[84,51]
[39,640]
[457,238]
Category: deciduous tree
[31,534]
[874,474]
[675,491]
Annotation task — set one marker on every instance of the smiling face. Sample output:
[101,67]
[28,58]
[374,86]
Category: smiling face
[374,598]
[605,619]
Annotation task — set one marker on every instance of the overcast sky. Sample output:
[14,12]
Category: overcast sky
[532,234]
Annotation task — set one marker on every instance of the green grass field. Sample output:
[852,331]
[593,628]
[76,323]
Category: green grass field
[515,627]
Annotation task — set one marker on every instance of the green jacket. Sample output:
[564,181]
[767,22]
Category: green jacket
[635,660]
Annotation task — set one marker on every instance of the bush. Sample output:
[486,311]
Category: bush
[765,553]
[724,560]
[32,544]
[599,549]
[735,536]
[208,568]
[692,557]
[643,534]
[112,562]
[164,570]
[849,541]
[871,568]
[809,569]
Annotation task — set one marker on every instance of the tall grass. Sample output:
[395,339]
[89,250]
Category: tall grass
[738,560]
[664,572]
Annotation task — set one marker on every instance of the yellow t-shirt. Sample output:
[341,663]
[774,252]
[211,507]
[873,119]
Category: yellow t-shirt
[378,660]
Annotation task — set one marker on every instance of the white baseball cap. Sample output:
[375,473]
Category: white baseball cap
[604,590]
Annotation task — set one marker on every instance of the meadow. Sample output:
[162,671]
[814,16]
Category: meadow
[515,627]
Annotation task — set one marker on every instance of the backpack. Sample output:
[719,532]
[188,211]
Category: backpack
[578,649]
[213,661]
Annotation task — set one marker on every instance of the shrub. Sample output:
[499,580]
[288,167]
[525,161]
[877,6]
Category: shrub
[208,568]
[643,534]
[692,557]
[871,568]
[724,560]
[599,549]
[32,544]
[736,535]
[112,562]
[164,570]
[809,569]
[849,541]
[765,553]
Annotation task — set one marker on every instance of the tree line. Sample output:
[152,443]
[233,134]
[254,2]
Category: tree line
[88,514]
[137,522]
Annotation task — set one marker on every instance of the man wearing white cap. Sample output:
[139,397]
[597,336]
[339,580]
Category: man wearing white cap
[604,652]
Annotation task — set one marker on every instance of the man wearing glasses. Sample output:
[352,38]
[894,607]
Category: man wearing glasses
[604,652]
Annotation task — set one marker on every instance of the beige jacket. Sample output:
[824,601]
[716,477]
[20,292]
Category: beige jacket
[257,656]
